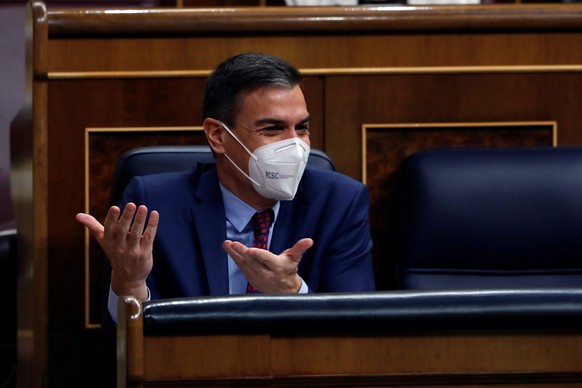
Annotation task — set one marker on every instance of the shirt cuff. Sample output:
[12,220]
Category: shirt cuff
[304,289]
[113,302]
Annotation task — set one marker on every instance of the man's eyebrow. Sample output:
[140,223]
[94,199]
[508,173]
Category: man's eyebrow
[272,121]
[305,120]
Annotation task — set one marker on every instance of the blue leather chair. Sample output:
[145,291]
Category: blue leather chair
[159,159]
[147,161]
[491,218]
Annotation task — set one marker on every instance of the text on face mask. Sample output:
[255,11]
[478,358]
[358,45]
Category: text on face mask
[276,175]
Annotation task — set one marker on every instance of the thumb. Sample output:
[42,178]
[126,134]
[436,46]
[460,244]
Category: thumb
[92,224]
[297,250]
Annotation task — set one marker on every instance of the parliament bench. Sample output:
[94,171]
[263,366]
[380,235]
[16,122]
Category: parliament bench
[462,76]
[388,338]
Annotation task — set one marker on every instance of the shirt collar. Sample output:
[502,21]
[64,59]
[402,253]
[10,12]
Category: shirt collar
[239,213]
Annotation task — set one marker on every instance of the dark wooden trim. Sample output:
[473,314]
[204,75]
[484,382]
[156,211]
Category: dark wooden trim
[460,380]
[283,20]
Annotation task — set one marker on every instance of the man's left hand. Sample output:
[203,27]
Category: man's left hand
[267,272]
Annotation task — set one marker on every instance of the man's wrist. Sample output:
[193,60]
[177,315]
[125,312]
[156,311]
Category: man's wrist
[139,291]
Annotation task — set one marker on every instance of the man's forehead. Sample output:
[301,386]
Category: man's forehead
[274,106]
[269,90]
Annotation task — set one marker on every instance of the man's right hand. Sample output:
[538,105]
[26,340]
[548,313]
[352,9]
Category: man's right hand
[128,246]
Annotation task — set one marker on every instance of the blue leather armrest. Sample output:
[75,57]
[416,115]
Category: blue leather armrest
[365,312]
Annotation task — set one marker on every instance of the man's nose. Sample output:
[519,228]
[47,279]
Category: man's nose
[291,133]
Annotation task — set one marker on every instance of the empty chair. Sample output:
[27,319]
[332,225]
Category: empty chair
[491,218]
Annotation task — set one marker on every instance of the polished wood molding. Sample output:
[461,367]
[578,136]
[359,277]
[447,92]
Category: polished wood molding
[326,71]
[130,341]
[539,17]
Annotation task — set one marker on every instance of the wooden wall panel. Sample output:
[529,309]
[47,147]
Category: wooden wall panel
[331,51]
[445,98]
[91,104]
[388,147]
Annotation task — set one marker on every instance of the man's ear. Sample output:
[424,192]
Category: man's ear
[214,134]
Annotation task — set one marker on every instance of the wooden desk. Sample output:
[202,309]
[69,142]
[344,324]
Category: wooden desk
[448,338]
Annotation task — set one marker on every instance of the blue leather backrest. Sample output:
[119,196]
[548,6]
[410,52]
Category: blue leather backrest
[491,218]
[160,159]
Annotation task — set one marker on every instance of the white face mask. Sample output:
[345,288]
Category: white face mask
[275,169]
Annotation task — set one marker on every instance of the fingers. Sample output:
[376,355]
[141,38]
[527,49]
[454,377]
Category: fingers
[237,251]
[266,271]
[152,228]
[297,251]
[242,254]
[130,228]
[135,230]
[243,257]
[110,222]
[123,225]
[254,270]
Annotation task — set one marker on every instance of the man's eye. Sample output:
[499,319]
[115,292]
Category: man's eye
[302,129]
[271,130]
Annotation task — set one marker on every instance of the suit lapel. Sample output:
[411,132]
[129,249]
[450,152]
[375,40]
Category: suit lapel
[289,220]
[210,224]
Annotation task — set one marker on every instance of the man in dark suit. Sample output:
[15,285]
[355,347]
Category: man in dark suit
[192,233]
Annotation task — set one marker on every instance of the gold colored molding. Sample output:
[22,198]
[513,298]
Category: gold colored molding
[128,74]
[136,129]
[389,126]
[88,133]
[327,71]
[21,334]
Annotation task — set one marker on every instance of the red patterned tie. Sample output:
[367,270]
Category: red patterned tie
[262,223]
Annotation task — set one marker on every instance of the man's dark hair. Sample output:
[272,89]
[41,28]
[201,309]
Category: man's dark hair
[240,75]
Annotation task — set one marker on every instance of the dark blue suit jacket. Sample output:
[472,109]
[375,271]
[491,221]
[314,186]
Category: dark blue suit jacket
[329,207]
